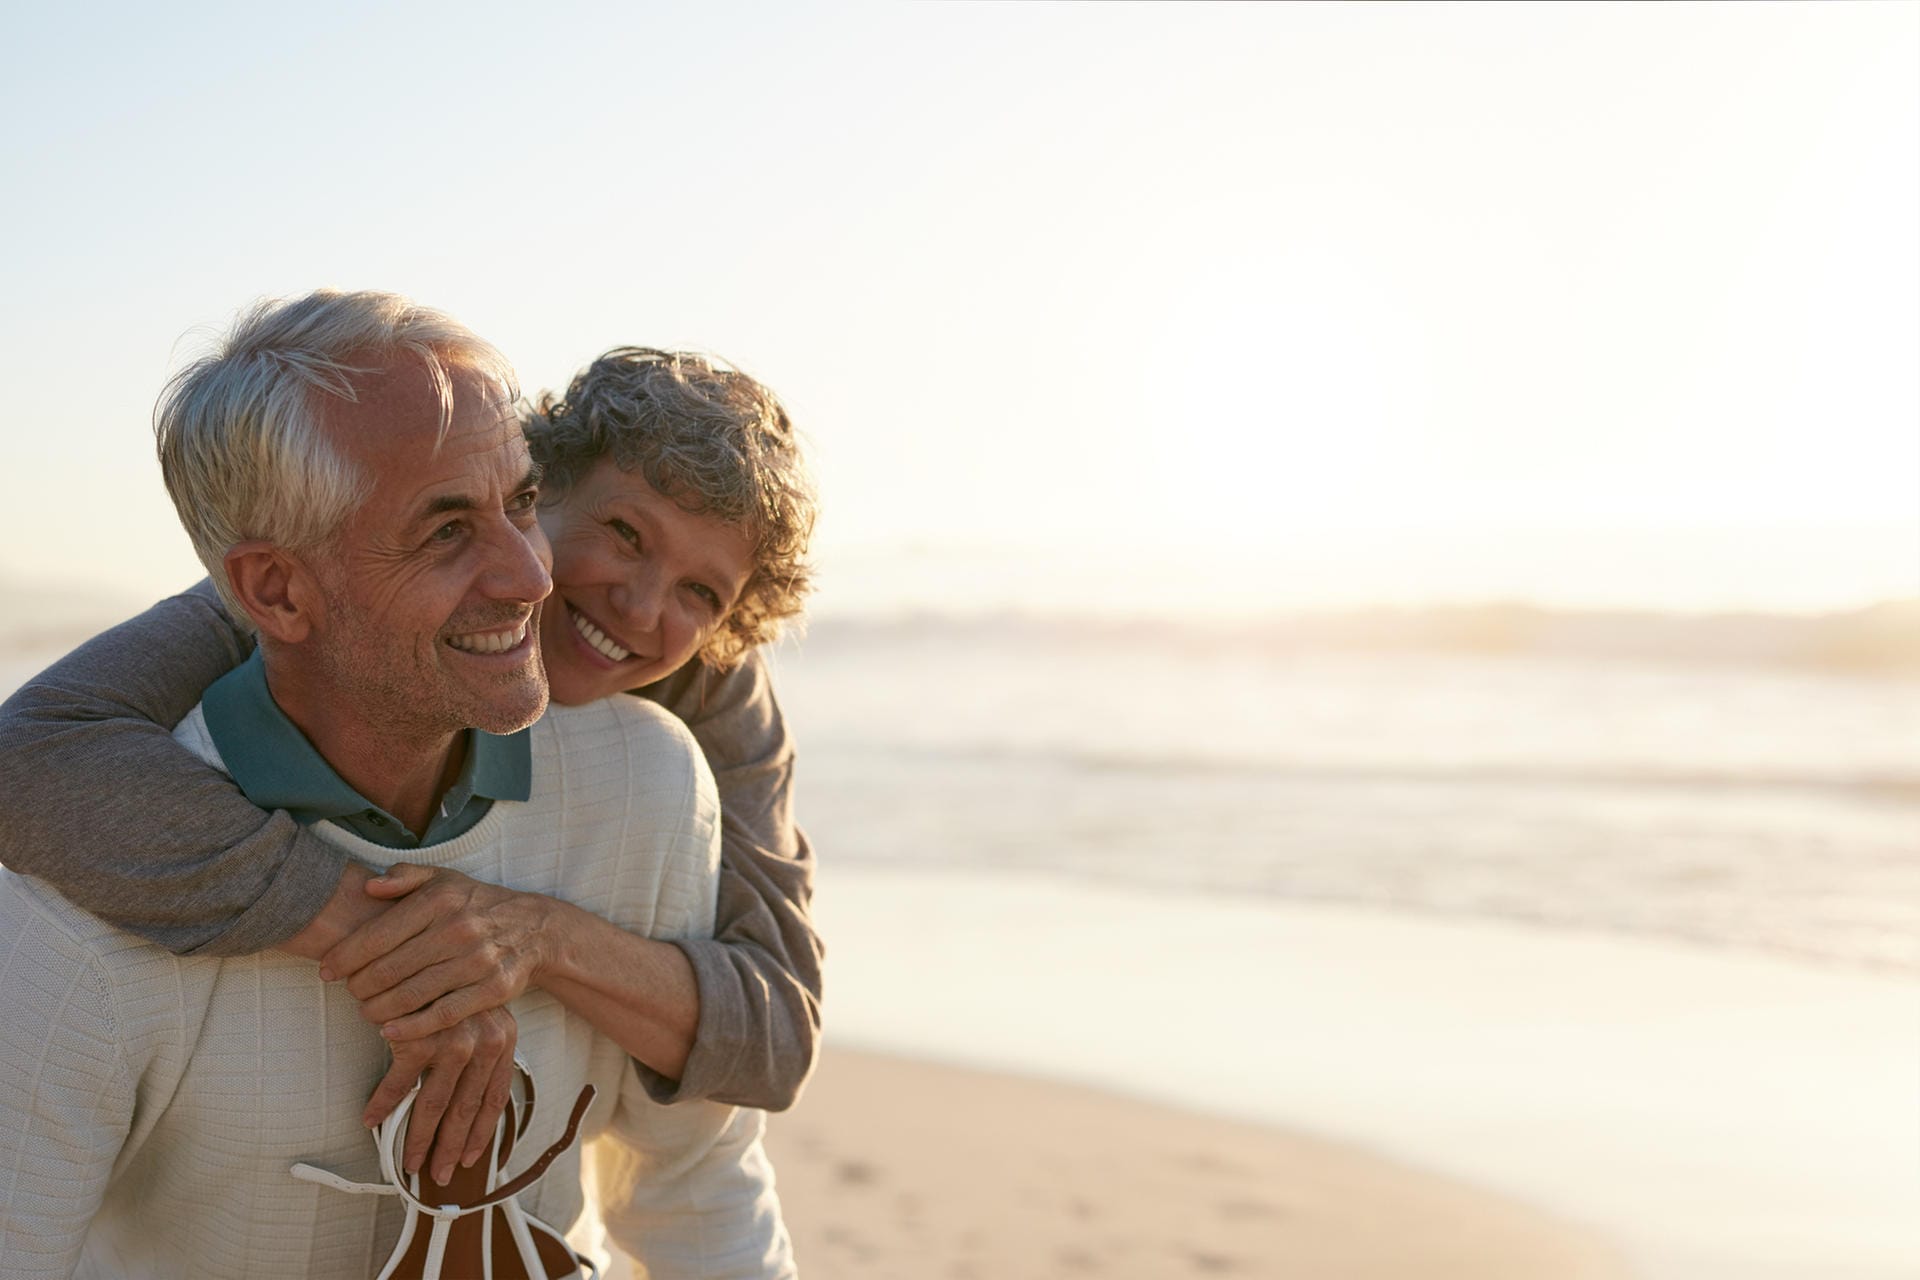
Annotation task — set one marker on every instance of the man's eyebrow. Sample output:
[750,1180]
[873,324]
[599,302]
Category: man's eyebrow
[447,502]
[444,503]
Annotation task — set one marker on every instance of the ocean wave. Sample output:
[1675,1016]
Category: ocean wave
[1876,786]
[1880,640]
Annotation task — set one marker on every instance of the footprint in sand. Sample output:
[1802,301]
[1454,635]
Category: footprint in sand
[856,1173]
[848,1242]
[1206,1162]
[1212,1263]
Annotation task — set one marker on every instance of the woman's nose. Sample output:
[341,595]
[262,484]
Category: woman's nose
[641,599]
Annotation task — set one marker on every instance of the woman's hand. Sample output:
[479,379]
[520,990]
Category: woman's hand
[433,970]
[464,1074]
[450,947]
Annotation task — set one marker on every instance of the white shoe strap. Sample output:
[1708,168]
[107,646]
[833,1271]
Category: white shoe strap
[328,1178]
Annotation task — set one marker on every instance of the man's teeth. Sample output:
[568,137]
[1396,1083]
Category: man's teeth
[489,641]
[594,636]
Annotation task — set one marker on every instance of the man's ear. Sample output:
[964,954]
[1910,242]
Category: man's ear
[275,588]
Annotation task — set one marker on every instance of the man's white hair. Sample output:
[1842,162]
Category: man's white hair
[240,434]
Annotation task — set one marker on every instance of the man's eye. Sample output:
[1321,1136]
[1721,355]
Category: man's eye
[520,502]
[446,532]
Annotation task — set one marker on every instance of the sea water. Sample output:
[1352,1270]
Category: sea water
[1725,804]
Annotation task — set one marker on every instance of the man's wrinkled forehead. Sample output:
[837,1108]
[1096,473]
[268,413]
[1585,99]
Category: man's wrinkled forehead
[399,406]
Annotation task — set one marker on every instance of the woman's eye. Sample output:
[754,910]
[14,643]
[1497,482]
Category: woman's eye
[708,594]
[626,531]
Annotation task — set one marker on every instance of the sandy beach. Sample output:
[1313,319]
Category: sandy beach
[891,1168]
[1708,1114]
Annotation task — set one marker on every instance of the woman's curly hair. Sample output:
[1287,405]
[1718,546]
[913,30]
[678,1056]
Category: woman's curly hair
[713,440]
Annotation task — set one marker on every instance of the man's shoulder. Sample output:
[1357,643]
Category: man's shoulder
[624,773]
[36,916]
[30,907]
[620,714]
[70,979]
[46,931]
[623,736]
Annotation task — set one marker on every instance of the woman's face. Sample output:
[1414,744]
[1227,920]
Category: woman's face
[639,583]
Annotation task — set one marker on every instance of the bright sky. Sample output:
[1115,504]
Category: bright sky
[1140,308]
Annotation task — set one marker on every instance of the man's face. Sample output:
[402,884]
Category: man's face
[431,586]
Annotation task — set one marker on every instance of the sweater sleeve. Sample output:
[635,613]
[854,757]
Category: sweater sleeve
[67,1103]
[759,976]
[105,805]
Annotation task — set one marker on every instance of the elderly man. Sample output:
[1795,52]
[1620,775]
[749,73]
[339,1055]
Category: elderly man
[354,479]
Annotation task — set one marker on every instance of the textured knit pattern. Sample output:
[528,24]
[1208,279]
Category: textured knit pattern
[152,1105]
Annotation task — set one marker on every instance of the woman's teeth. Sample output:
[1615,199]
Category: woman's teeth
[594,636]
[489,641]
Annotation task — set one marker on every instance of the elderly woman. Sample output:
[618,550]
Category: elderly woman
[678,507]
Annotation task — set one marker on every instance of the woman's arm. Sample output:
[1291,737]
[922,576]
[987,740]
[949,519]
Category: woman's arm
[759,975]
[734,1018]
[101,801]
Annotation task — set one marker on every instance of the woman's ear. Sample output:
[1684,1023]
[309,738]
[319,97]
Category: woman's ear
[275,588]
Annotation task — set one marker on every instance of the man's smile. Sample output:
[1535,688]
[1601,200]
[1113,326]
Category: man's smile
[492,642]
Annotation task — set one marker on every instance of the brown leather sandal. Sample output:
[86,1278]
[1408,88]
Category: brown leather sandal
[479,1230]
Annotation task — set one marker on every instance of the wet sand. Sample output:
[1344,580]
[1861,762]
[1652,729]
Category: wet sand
[893,1168]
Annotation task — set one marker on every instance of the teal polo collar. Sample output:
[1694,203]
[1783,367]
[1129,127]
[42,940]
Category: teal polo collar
[277,768]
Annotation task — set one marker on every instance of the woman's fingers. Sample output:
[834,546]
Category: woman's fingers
[463,1073]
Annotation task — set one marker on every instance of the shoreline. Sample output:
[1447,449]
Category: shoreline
[893,1166]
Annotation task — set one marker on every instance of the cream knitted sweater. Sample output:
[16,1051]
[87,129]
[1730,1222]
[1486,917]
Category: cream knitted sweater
[152,1105]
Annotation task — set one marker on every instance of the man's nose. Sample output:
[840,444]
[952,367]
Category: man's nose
[519,561]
